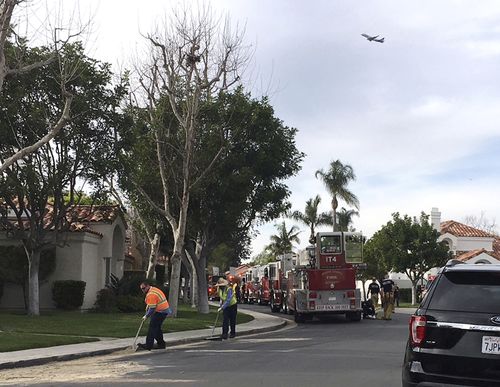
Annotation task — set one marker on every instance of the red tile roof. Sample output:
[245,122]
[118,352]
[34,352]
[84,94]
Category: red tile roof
[82,216]
[465,256]
[462,230]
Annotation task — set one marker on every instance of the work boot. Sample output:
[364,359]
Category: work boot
[159,346]
[142,347]
[224,336]
[232,335]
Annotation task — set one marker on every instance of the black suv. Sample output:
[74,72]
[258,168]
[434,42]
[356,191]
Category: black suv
[455,333]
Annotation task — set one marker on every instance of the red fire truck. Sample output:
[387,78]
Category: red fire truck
[213,293]
[278,284]
[327,284]
[250,287]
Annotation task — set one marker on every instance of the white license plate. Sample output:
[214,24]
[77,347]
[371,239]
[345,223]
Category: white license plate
[332,298]
[332,307]
[491,345]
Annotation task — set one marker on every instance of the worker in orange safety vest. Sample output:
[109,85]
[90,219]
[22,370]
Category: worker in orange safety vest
[157,309]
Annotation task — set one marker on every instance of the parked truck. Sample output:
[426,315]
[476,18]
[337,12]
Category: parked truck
[326,284]
[278,272]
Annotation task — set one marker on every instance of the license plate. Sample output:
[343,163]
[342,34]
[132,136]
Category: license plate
[491,345]
[332,307]
[332,298]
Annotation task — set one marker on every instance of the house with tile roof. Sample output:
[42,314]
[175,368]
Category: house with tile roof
[94,249]
[468,244]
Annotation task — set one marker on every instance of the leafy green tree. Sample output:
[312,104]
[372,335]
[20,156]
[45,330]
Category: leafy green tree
[376,265]
[336,179]
[282,242]
[344,218]
[311,218]
[409,245]
[246,185]
[42,188]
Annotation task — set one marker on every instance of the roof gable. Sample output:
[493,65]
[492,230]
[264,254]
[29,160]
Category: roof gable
[462,230]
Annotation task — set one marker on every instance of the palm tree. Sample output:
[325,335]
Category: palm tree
[283,242]
[311,218]
[336,180]
[345,218]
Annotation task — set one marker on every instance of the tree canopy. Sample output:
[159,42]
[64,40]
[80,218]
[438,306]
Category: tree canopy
[409,245]
[42,187]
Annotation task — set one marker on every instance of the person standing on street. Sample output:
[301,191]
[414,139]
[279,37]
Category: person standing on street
[374,290]
[387,297]
[157,309]
[228,306]
[396,296]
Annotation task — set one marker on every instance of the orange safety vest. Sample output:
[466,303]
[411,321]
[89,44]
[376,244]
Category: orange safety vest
[155,298]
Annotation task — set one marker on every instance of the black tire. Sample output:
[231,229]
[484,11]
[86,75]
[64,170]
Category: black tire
[353,316]
[298,317]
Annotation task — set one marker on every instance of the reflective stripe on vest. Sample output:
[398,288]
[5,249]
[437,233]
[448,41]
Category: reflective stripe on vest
[156,299]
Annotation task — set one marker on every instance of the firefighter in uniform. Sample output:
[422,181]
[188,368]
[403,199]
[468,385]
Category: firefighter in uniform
[157,308]
[228,306]
[387,297]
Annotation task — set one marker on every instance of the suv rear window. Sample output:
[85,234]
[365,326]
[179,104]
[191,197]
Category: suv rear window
[467,292]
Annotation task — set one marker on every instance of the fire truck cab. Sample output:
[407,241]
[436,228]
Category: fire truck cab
[327,284]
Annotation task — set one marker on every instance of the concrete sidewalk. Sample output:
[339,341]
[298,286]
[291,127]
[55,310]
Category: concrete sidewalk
[261,323]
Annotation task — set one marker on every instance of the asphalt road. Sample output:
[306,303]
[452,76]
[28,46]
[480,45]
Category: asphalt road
[318,353]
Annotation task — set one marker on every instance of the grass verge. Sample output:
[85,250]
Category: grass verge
[19,331]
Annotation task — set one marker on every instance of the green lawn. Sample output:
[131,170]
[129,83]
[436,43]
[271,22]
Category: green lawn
[19,331]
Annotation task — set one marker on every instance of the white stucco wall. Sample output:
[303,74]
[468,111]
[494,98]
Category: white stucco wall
[467,243]
[81,259]
[483,258]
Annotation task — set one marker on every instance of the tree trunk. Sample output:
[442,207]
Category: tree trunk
[175,274]
[193,279]
[154,245]
[335,204]
[33,287]
[201,265]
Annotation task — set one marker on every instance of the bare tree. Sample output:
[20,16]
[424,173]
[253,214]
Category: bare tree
[482,223]
[192,58]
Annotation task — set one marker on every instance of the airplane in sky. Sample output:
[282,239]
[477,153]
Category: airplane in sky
[373,38]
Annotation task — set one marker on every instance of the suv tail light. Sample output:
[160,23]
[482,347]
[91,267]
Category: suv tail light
[313,295]
[417,329]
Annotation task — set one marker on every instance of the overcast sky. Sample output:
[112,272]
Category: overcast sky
[417,117]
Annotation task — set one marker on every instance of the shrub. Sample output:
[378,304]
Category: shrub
[106,301]
[68,294]
[130,304]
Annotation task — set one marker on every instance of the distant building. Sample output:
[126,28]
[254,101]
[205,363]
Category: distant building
[467,244]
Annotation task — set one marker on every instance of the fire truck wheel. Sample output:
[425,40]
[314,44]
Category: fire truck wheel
[299,318]
[353,316]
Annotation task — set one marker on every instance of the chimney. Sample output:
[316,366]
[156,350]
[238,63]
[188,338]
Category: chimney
[436,219]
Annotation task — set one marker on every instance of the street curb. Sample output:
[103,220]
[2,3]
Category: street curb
[107,351]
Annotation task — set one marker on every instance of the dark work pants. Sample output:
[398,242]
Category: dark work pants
[154,331]
[229,315]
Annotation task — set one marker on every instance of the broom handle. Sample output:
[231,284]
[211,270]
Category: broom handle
[216,319]
[137,335]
